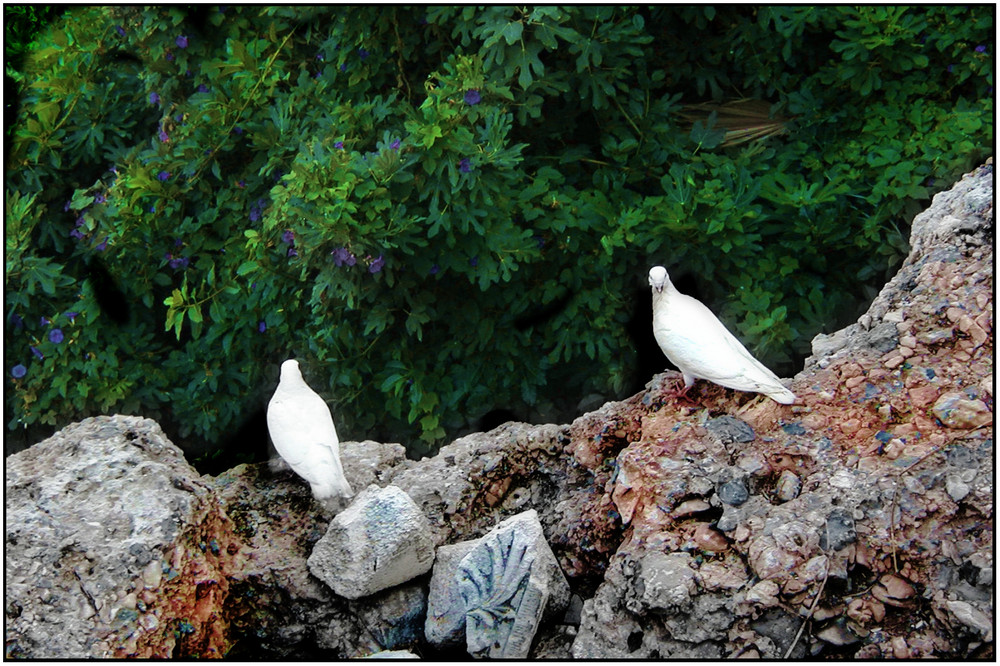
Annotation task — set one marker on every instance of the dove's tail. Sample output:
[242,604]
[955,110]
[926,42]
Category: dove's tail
[332,489]
[784,396]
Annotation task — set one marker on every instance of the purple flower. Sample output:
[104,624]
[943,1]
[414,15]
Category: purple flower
[188,73]
[465,165]
[164,137]
[170,56]
[434,269]
[43,321]
[120,30]
[292,252]
[179,262]
[202,88]
[339,145]
[241,183]
[163,176]
[376,265]
[100,198]
[343,257]
[79,221]
[152,209]
[76,233]
[66,207]
[474,261]
[71,316]
[178,242]
[261,327]
[319,56]
[288,237]
[395,144]
[56,335]
[103,245]
[539,241]
[238,130]
[18,371]
[343,67]
[34,350]
[16,320]
[981,48]
[182,42]
[363,53]
[154,98]
[472,97]
[951,68]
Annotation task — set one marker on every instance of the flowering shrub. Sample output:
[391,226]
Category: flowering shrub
[441,210]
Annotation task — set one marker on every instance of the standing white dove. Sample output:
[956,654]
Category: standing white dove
[302,430]
[702,348]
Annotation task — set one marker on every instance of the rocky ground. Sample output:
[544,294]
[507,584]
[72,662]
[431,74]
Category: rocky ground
[857,523]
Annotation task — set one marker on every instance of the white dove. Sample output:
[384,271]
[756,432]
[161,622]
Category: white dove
[702,348]
[302,430]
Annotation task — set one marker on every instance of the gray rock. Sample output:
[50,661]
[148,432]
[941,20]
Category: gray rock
[509,582]
[666,581]
[391,654]
[100,514]
[394,618]
[445,624]
[788,486]
[381,540]
[730,429]
[840,530]
[734,492]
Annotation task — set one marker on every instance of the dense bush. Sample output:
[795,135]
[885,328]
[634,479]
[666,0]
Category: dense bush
[445,209]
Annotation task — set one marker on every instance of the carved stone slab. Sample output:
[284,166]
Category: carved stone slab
[445,623]
[509,582]
[381,540]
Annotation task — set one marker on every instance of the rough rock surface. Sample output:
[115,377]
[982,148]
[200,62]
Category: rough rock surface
[381,540]
[857,523]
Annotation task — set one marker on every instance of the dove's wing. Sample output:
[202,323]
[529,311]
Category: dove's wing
[699,344]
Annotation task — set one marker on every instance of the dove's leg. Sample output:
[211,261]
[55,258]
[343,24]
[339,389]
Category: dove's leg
[679,392]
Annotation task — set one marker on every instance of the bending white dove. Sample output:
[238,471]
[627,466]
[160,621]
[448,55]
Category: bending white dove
[702,348]
[302,430]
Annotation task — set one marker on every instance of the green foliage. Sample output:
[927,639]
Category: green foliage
[442,210]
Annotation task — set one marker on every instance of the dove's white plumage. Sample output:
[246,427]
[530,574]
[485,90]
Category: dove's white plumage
[702,348]
[302,430]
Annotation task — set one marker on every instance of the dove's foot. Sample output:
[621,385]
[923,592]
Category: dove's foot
[679,394]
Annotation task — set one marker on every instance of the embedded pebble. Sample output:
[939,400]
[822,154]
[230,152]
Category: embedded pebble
[764,593]
[956,410]
[842,479]
[837,634]
[957,489]
[788,486]
[893,590]
[935,336]
[733,492]
[972,617]
[691,507]
[730,429]
[840,530]
[709,539]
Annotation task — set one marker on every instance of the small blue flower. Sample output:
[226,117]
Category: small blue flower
[79,221]
[179,262]
[164,137]
[71,316]
[320,56]
[395,144]
[163,176]
[152,209]
[238,130]
[363,53]
[100,198]
[339,145]
[76,233]
[202,88]
[170,56]
[465,165]
[343,257]
[16,321]
[154,98]
[120,30]
[34,350]
[261,327]
[474,261]
[288,237]
[18,371]
[343,67]
[66,207]
[182,42]
[376,265]
[56,335]
[472,97]
[981,48]
[241,183]
[103,245]
[44,321]
[434,269]
[292,252]
[178,242]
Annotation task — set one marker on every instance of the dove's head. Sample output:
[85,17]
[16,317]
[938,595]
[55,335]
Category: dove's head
[658,278]
[290,371]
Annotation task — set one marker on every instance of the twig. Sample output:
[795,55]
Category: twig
[812,607]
